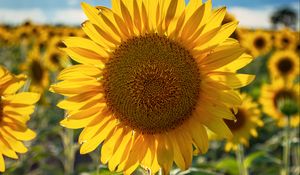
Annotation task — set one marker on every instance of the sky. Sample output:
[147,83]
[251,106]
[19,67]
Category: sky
[250,13]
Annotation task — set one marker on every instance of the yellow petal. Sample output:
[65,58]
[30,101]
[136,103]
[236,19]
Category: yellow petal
[220,58]
[215,19]
[79,70]
[24,98]
[2,164]
[86,44]
[137,16]
[80,119]
[237,64]
[26,135]
[224,33]
[95,18]
[199,135]
[126,16]
[110,145]
[218,126]
[79,101]
[121,153]
[178,157]
[91,31]
[101,134]
[85,56]
[90,131]
[193,22]
[165,153]
[171,12]
[16,145]
[6,150]
[233,80]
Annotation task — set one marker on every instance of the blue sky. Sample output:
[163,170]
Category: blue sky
[249,12]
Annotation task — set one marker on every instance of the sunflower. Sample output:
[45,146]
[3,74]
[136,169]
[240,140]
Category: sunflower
[55,59]
[37,72]
[271,96]
[150,81]
[285,39]
[258,43]
[284,64]
[5,36]
[15,109]
[247,119]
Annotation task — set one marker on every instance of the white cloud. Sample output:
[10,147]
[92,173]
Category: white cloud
[253,18]
[73,2]
[16,16]
[68,16]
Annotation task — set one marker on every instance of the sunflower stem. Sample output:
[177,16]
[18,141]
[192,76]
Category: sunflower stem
[286,148]
[240,160]
[69,151]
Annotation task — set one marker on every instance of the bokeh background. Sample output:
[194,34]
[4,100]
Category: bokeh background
[31,32]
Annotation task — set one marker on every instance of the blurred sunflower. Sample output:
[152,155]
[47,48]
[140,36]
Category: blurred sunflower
[284,64]
[247,119]
[55,42]
[258,43]
[297,48]
[55,59]
[285,40]
[22,34]
[15,109]
[156,77]
[273,94]
[5,36]
[228,18]
[37,72]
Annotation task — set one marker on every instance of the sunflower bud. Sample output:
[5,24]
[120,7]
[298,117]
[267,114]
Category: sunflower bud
[288,106]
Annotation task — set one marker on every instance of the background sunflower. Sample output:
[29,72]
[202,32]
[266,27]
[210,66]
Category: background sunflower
[14,114]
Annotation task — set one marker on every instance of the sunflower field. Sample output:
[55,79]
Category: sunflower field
[149,87]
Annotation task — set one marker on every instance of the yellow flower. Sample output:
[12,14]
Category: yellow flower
[55,60]
[36,70]
[150,81]
[285,39]
[15,109]
[284,64]
[247,119]
[258,43]
[273,94]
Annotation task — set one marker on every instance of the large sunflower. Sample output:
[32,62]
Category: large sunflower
[150,80]
[15,109]
[284,64]
[273,94]
[248,118]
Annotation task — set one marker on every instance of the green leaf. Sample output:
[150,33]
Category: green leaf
[228,165]
[252,157]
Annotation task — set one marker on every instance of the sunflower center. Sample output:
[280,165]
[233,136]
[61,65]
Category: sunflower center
[285,65]
[239,123]
[285,41]
[151,83]
[36,71]
[259,43]
[282,95]
[54,58]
